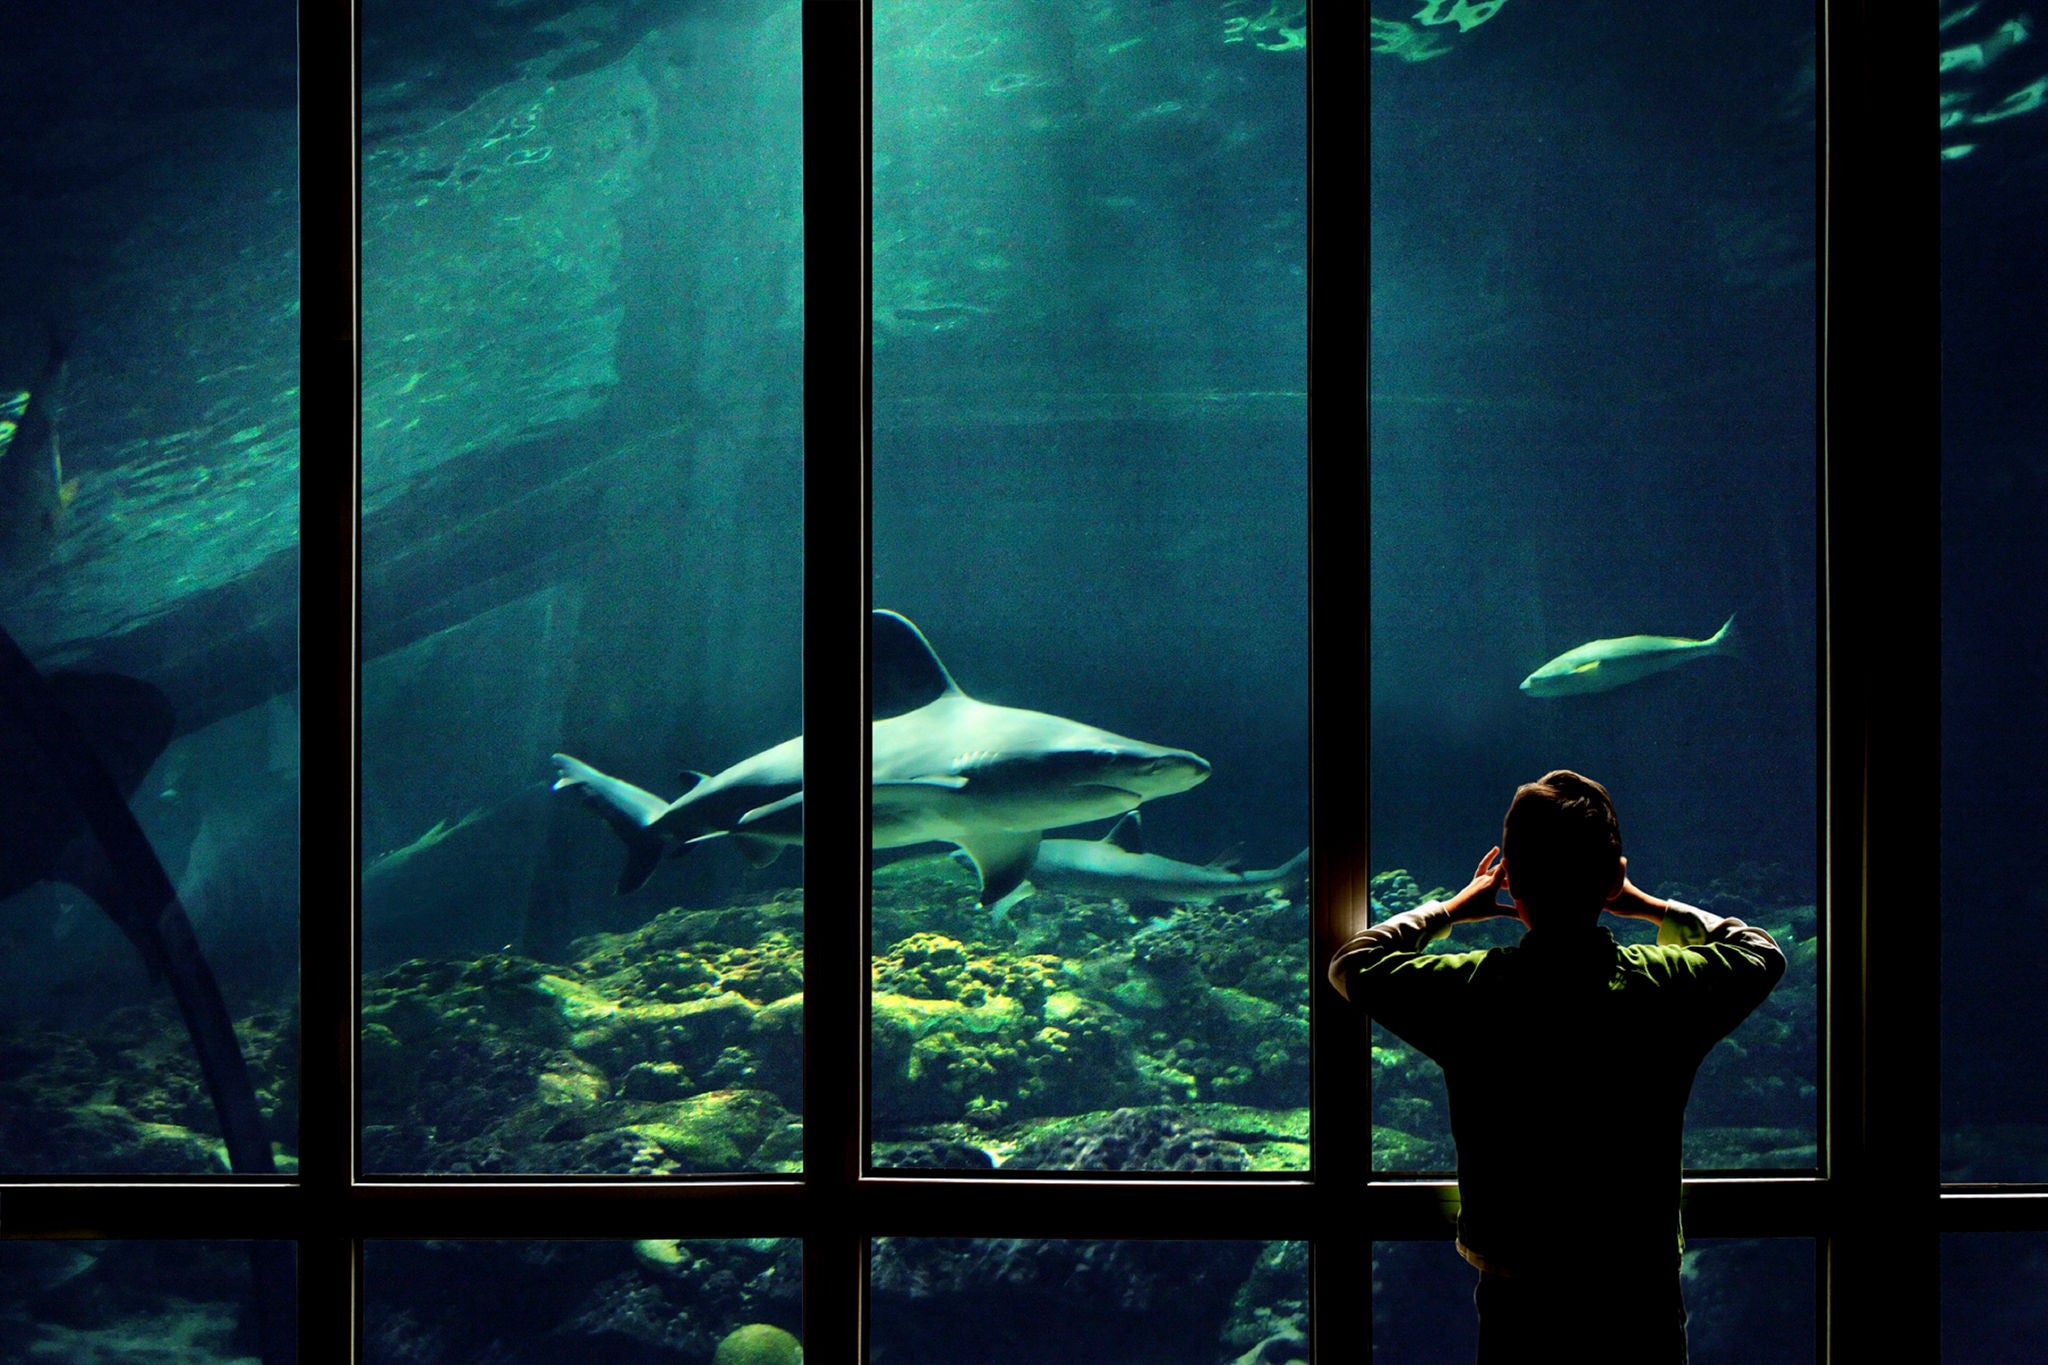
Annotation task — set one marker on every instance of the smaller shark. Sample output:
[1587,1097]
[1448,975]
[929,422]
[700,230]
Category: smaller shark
[1116,866]
[1599,665]
[757,803]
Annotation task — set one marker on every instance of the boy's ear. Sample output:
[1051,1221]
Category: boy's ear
[1620,876]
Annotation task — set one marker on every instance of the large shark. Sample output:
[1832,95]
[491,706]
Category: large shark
[991,779]
[1116,866]
[1599,665]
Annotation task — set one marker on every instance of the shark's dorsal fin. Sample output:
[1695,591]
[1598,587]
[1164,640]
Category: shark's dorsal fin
[904,668]
[1127,834]
[690,777]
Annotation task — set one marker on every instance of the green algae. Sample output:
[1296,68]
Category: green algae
[664,1050]
[758,1343]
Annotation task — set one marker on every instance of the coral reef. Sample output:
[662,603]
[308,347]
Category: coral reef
[1269,1318]
[989,1033]
[122,1093]
[675,1048]
[759,1343]
[1130,1140]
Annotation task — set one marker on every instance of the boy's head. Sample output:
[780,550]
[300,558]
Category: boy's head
[1562,846]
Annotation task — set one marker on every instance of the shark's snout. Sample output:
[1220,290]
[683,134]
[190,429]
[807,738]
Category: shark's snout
[1174,772]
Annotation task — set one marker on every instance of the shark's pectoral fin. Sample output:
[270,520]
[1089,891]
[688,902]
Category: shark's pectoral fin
[1586,667]
[1004,858]
[782,821]
[999,913]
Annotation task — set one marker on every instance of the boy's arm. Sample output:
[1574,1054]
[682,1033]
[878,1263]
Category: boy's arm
[1687,926]
[1408,932]
[1736,964]
[1413,930]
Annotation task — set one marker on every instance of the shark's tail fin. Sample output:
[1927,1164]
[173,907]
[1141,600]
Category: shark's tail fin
[1290,874]
[1727,640]
[628,809]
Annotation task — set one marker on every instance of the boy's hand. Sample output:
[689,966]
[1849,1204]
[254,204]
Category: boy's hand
[1632,903]
[1476,900]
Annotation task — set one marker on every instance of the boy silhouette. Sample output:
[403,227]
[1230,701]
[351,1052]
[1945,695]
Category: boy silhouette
[1568,1059]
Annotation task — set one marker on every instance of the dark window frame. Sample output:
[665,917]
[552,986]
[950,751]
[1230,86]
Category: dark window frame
[1876,1209]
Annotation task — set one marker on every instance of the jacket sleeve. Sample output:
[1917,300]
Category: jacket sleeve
[1733,965]
[1384,972]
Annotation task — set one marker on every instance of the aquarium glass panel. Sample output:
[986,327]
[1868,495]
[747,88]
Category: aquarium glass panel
[196,1302]
[1994,419]
[1594,519]
[582,571]
[729,1299]
[1994,1295]
[986,1299]
[1748,1301]
[1089,537]
[149,585]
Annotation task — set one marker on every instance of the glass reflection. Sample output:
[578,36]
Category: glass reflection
[439,1303]
[1994,1295]
[1747,1300]
[196,1302]
[988,1301]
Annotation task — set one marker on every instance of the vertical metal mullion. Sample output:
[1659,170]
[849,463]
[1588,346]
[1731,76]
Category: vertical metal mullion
[1883,1082]
[834,633]
[1340,1150]
[330,193]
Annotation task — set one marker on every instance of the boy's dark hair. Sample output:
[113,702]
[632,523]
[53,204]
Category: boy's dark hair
[1562,845]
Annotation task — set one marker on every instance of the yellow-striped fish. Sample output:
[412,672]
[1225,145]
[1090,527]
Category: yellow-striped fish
[1600,664]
